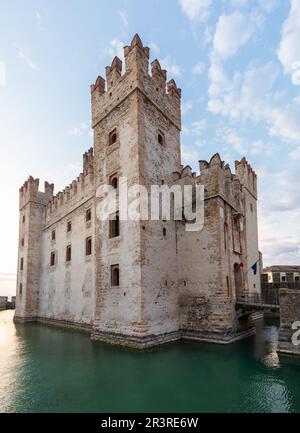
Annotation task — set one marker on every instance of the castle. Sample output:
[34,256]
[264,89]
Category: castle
[140,282]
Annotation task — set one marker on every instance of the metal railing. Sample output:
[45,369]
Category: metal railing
[268,297]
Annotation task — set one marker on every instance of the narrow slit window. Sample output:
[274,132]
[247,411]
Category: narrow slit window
[161,138]
[22,264]
[20,289]
[69,226]
[68,253]
[22,242]
[53,235]
[115,275]
[52,259]
[164,232]
[23,219]
[88,246]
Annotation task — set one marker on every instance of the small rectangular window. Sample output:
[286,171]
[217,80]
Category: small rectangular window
[22,264]
[88,246]
[23,219]
[114,226]
[112,137]
[88,215]
[20,289]
[53,235]
[283,278]
[297,278]
[114,275]
[52,259]
[68,253]
[69,226]
[22,242]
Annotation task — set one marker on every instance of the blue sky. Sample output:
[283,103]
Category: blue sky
[237,62]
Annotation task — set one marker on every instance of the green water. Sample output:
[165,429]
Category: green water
[47,369]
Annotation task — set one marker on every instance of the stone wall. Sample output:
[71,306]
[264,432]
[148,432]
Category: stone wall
[289,314]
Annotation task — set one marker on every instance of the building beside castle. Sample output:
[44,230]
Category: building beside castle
[138,282]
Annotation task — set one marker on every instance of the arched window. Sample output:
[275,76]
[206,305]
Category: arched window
[114,182]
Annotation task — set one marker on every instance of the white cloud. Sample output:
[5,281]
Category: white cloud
[26,58]
[154,48]
[169,63]
[115,49]
[232,32]
[235,141]
[260,147]
[239,3]
[39,20]
[81,129]
[195,128]
[279,214]
[249,96]
[191,154]
[198,69]
[196,10]
[295,154]
[186,106]
[269,5]
[285,121]
[124,22]
[289,48]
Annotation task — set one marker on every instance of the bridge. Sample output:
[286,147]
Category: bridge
[268,299]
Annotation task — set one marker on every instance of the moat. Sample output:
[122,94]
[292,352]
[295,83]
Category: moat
[47,369]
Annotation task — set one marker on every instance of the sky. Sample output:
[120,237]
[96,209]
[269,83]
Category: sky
[237,62]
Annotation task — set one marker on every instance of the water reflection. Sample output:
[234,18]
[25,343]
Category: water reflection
[11,359]
[54,370]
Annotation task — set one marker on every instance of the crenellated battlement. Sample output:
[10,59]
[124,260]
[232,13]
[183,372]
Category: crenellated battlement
[108,94]
[79,189]
[246,175]
[29,192]
[218,178]
[113,72]
[88,161]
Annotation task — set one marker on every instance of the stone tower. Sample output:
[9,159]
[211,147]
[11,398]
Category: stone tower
[32,204]
[136,124]
[248,179]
